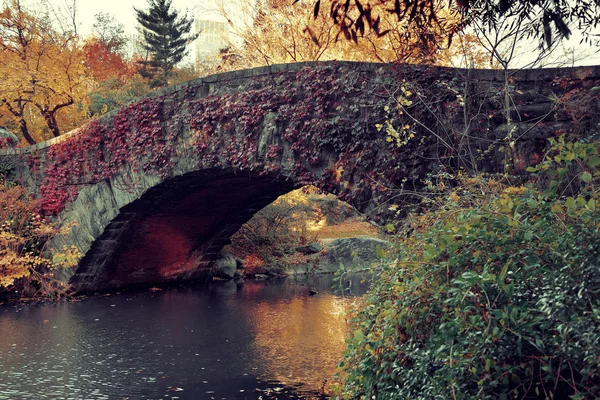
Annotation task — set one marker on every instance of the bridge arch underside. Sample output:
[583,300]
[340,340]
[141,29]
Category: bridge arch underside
[176,230]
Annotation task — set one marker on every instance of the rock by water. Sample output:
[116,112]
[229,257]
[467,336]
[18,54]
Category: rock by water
[353,253]
[225,267]
[312,248]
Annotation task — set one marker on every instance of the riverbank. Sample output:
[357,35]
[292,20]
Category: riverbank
[324,256]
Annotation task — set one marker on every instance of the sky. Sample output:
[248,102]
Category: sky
[123,11]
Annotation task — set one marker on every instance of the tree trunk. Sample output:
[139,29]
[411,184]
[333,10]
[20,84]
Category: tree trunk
[509,123]
[50,115]
[50,119]
[22,123]
[25,132]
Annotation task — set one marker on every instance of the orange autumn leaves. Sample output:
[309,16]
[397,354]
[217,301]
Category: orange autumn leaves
[46,74]
[103,63]
[271,32]
[42,71]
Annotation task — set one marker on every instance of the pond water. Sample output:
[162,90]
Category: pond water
[226,340]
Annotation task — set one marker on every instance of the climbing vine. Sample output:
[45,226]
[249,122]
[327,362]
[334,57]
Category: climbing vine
[136,138]
[7,142]
[325,125]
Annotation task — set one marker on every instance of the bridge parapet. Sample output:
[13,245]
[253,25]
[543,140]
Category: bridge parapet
[525,77]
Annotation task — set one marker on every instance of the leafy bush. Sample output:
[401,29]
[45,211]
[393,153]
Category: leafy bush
[494,295]
[253,263]
[24,267]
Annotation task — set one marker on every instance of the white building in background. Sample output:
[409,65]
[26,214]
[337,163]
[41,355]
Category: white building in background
[212,37]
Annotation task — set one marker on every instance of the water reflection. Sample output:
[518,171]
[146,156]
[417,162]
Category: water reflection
[221,341]
[307,328]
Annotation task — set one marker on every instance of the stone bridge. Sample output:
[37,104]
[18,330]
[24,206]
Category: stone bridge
[152,192]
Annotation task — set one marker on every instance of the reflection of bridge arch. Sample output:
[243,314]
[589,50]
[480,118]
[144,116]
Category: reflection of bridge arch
[175,173]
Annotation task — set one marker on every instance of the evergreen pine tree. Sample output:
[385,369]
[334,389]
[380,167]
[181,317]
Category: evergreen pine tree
[165,36]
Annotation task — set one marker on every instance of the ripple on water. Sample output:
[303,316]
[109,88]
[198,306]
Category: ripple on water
[228,341]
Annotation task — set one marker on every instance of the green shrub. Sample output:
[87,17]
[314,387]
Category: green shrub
[494,295]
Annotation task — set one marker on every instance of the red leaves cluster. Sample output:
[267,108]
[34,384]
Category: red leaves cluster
[100,152]
[7,142]
[102,63]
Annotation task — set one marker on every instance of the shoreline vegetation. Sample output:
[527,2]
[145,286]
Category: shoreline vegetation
[494,293]
[26,265]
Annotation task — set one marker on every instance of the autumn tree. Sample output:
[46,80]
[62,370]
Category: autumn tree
[546,21]
[166,35]
[277,32]
[104,51]
[111,33]
[42,69]
[101,63]
[113,71]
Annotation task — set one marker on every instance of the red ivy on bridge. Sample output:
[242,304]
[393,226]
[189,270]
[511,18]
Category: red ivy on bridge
[317,112]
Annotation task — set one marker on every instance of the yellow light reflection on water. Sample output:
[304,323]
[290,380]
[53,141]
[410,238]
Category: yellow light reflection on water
[299,340]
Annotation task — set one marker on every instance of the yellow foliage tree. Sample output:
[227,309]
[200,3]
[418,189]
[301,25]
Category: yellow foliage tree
[23,235]
[42,70]
[270,32]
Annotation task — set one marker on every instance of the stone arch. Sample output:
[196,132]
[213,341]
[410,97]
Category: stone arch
[176,229]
